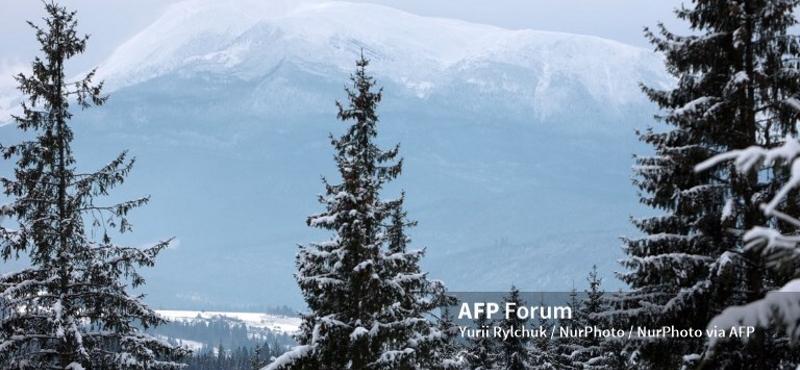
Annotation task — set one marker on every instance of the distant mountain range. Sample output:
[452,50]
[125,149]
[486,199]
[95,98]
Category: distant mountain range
[517,144]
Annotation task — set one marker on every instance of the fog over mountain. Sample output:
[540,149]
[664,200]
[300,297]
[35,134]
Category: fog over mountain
[517,144]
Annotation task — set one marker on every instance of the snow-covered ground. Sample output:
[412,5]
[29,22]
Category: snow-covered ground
[275,323]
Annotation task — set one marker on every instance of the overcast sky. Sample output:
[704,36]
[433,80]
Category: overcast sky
[112,22]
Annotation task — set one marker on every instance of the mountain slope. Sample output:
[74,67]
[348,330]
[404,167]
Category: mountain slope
[514,134]
[427,57]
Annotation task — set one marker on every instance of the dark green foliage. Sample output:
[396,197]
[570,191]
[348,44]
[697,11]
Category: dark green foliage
[543,350]
[513,351]
[369,302]
[733,76]
[71,308]
[257,358]
[481,352]
[595,352]
[241,358]
[448,349]
[569,350]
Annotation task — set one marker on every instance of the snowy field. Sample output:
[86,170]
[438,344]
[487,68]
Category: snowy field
[275,323]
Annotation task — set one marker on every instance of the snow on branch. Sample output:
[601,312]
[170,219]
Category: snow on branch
[746,160]
[779,308]
[779,249]
[290,357]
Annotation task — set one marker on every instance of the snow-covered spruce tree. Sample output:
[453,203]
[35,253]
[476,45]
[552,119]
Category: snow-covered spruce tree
[732,74]
[71,308]
[615,353]
[598,353]
[588,352]
[577,351]
[513,350]
[368,300]
[779,309]
[542,350]
[481,351]
[449,353]
[414,301]
[256,362]
[569,349]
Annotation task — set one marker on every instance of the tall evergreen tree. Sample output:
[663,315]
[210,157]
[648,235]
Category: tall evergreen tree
[598,353]
[413,300]
[449,353]
[569,349]
[256,362]
[613,353]
[368,299]
[481,351]
[514,354]
[71,308]
[732,75]
[542,349]
[776,312]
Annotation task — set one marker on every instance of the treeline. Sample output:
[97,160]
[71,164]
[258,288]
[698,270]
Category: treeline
[241,358]
[227,344]
[222,331]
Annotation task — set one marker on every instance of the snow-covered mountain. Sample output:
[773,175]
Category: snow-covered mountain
[428,58]
[520,135]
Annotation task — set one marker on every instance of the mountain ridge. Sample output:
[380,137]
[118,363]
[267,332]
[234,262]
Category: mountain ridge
[419,53]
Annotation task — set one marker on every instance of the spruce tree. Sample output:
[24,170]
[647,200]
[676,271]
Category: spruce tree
[614,351]
[369,303]
[413,300]
[732,75]
[569,349]
[776,313]
[597,353]
[514,353]
[448,354]
[591,352]
[70,309]
[542,349]
[481,351]
[256,362]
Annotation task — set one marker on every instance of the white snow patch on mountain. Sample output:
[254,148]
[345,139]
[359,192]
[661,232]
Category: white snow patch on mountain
[248,39]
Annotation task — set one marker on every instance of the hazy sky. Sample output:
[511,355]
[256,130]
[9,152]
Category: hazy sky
[112,22]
